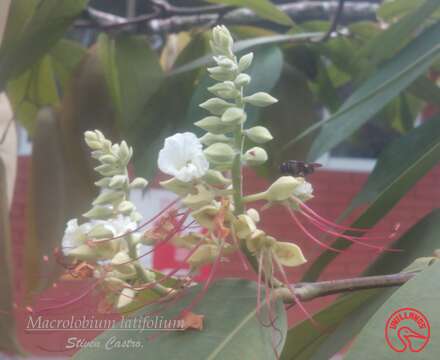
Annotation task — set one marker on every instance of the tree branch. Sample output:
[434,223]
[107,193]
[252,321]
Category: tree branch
[168,19]
[310,291]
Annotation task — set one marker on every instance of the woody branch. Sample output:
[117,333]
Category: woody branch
[169,19]
[310,291]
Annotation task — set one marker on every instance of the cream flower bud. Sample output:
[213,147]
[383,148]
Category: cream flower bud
[254,215]
[126,207]
[123,263]
[100,231]
[108,197]
[209,139]
[125,298]
[260,99]
[255,156]
[138,183]
[242,80]
[205,216]
[99,212]
[108,159]
[222,40]
[244,226]
[205,254]
[234,116]
[202,198]
[214,125]
[107,170]
[118,181]
[255,240]
[282,189]
[83,252]
[226,90]
[225,62]
[189,240]
[245,62]
[220,153]
[216,106]
[214,177]
[259,134]
[104,182]
[124,152]
[288,254]
[176,186]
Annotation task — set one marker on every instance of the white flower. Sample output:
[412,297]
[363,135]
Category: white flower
[303,191]
[119,225]
[183,158]
[74,235]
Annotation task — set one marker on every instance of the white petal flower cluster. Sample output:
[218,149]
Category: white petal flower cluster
[183,158]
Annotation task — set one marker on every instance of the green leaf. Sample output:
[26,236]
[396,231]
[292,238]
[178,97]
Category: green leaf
[248,45]
[398,34]
[426,90]
[422,293]
[399,167]
[32,90]
[32,29]
[346,317]
[263,8]
[8,342]
[66,56]
[164,113]
[231,329]
[264,71]
[133,73]
[376,92]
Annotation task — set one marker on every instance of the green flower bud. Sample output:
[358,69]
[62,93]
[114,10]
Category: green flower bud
[189,240]
[209,139]
[259,134]
[242,80]
[219,153]
[138,183]
[255,156]
[216,106]
[234,116]
[222,41]
[226,90]
[225,62]
[214,125]
[118,181]
[260,99]
[108,197]
[99,212]
[245,62]
[288,254]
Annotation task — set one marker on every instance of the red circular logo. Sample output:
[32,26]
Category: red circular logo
[407,330]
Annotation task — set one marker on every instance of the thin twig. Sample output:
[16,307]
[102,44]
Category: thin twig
[313,290]
[335,21]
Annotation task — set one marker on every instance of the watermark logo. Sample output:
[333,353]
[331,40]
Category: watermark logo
[407,330]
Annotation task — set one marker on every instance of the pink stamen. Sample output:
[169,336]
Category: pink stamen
[305,231]
[292,292]
[71,302]
[354,239]
[324,220]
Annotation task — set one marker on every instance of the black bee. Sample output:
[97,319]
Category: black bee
[298,168]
